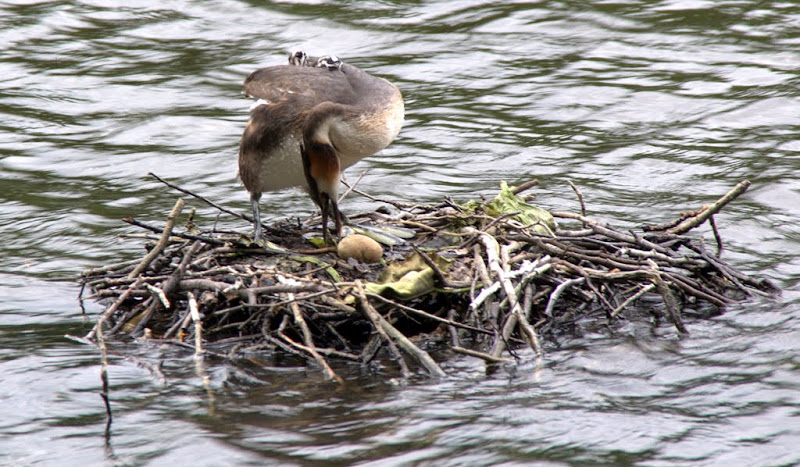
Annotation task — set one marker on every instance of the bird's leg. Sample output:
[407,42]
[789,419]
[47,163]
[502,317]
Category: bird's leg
[337,217]
[254,197]
[323,204]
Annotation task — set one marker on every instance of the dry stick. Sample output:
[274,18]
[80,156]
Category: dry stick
[629,300]
[101,342]
[454,341]
[551,303]
[693,288]
[224,287]
[524,186]
[483,273]
[526,329]
[437,273]
[161,243]
[716,235]
[107,314]
[158,293]
[598,228]
[109,268]
[402,341]
[516,317]
[708,211]
[200,368]
[485,356]
[169,286]
[297,314]
[580,197]
[201,198]
[198,326]
[351,187]
[374,317]
[427,315]
[152,228]
[669,300]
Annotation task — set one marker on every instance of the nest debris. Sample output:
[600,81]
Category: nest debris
[485,278]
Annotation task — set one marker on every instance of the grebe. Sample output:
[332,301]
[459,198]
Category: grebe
[313,118]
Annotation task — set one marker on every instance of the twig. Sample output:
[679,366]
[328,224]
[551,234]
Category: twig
[425,314]
[551,303]
[198,326]
[352,186]
[524,186]
[375,318]
[716,235]
[516,317]
[309,341]
[669,299]
[580,197]
[110,310]
[202,198]
[188,236]
[708,211]
[643,290]
[101,342]
[402,341]
[170,285]
[161,243]
[485,356]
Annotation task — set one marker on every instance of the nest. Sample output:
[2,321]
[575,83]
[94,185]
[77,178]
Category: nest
[483,279]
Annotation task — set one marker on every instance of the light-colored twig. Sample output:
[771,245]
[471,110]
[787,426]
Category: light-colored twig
[198,325]
[629,300]
[309,347]
[517,317]
[162,243]
[551,303]
[402,341]
[110,310]
[484,356]
[710,210]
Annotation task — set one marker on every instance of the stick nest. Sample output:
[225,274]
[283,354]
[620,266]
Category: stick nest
[483,278]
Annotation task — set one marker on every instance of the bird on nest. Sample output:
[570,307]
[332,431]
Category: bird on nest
[314,117]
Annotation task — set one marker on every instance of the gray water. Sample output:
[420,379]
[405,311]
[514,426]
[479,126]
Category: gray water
[650,108]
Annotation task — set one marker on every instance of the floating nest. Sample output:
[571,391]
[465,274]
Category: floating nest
[484,279]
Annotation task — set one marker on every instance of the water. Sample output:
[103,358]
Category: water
[650,108]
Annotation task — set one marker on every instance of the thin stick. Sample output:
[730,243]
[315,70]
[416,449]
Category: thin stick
[426,314]
[110,310]
[708,211]
[580,197]
[551,303]
[161,243]
[716,235]
[101,342]
[485,356]
[198,326]
[517,317]
[169,287]
[352,186]
[374,317]
[152,228]
[524,186]
[201,198]
[669,300]
[402,341]
[310,347]
[629,300]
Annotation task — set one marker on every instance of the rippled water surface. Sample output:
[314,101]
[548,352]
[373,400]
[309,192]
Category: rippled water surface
[649,107]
